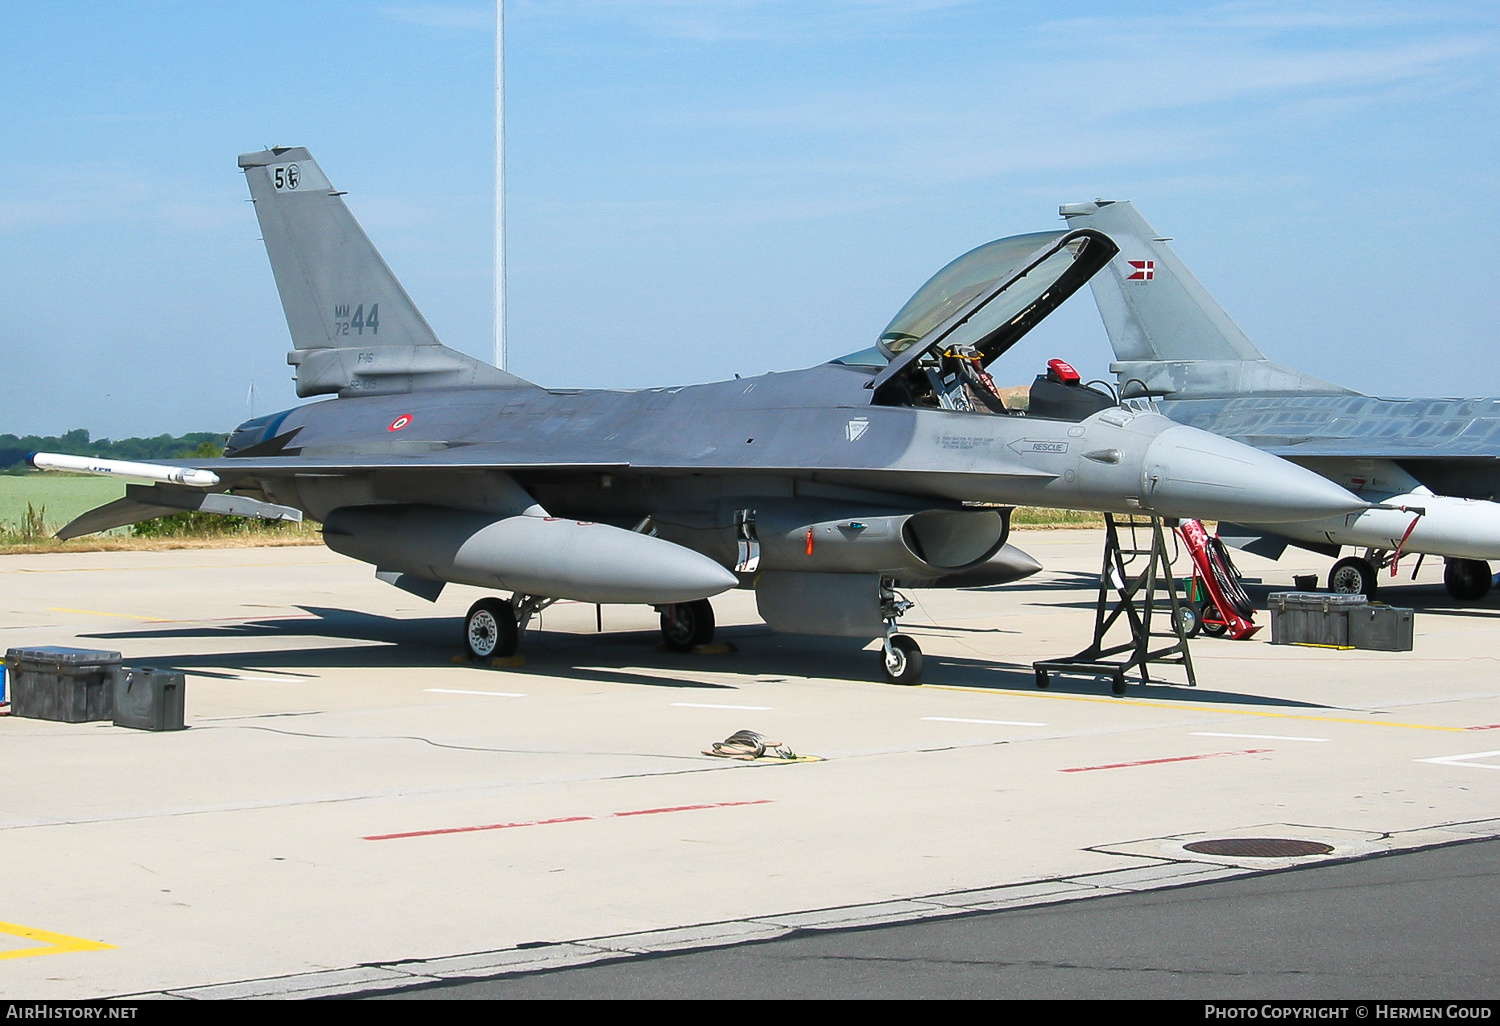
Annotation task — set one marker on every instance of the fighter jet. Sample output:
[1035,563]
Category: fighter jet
[826,490]
[1429,466]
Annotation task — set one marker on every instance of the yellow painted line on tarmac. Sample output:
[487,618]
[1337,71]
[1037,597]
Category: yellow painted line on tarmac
[52,943]
[1190,708]
[96,612]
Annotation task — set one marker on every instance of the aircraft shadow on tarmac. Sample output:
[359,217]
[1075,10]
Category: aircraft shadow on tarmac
[756,652]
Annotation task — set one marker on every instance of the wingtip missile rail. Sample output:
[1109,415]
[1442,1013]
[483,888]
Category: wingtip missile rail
[127,469]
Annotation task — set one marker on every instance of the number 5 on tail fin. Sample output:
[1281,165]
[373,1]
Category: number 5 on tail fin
[354,328]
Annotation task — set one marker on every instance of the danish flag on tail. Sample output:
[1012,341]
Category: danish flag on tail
[1141,270]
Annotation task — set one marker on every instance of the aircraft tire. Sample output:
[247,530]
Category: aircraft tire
[687,625]
[1352,575]
[1467,580]
[490,629]
[904,664]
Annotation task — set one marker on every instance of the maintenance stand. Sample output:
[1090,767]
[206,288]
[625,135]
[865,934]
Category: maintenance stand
[1133,601]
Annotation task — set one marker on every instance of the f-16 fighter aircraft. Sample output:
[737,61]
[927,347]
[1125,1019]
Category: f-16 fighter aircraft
[1431,466]
[826,490]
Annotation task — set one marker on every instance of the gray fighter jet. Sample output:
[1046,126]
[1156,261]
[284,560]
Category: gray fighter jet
[826,490]
[1431,466]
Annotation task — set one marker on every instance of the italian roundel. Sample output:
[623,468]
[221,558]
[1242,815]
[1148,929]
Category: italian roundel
[400,422]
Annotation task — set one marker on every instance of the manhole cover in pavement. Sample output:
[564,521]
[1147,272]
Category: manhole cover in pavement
[1259,847]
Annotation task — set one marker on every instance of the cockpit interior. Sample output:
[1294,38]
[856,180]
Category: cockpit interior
[937,350]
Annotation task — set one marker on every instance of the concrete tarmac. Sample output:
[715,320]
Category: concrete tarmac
[1403,927]
[353,810]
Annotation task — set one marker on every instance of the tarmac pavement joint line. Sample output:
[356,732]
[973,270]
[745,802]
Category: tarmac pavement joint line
[51,943]
[1165,872]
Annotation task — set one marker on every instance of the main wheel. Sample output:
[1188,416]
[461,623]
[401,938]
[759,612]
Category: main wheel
[903,665]
[1211,621]
[490,629]
[1467,580]
[1352,575]
[687,625]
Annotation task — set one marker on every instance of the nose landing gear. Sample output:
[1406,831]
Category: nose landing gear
[900,656]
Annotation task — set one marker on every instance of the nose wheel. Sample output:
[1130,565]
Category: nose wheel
[901,660]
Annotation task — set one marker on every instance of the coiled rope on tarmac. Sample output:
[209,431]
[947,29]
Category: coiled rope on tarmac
[749,746]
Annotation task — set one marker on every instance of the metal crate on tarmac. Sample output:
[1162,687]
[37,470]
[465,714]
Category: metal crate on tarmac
[1381,628]
[148,699]
[1312,618]
[72,685]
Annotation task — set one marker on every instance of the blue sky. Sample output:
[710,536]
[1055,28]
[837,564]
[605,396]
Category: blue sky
[701,188]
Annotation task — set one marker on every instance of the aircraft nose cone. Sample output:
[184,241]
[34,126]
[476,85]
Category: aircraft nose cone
[1192,473]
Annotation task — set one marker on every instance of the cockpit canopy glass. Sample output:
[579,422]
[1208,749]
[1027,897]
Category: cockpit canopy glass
[977,271]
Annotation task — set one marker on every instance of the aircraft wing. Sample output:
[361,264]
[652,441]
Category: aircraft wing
[1380,449]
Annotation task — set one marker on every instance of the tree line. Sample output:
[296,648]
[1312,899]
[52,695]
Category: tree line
[14,449]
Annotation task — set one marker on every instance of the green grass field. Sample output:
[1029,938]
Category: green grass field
[64,495]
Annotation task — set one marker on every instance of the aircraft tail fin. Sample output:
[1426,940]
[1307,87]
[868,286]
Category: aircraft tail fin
[1169,335]
[355,329]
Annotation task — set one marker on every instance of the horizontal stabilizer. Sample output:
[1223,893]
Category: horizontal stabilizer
[1259,542]
[142,502]
[355,329]
[119,513]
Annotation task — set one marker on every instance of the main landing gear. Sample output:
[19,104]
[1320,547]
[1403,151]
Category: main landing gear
[1354,575]
[493,627]
[686,625]
[1467,580]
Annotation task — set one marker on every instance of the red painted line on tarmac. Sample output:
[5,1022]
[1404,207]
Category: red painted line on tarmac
[1158,762]
[1487,726]
[690,808]
[561,819]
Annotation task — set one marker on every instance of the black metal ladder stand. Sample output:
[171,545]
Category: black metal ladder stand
[1135,599]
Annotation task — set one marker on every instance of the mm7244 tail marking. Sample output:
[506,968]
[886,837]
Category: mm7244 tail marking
[343,323]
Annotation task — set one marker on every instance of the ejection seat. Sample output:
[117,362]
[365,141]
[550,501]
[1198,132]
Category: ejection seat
[1060,394]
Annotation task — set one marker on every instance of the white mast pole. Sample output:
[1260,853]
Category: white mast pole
[500,348]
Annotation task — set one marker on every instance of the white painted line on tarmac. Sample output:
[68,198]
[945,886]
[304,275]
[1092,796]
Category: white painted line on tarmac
[1257,737]
[997,723]
[1465,760]
[457,691]
[705,705]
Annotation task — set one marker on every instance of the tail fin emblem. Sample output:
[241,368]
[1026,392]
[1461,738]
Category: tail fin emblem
[1141,270]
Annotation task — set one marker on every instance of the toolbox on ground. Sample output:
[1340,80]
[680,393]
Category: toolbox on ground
[73,685]
[1381,628]
[1312,618]
[148,699]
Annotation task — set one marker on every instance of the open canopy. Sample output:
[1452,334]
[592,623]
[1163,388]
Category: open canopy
[979,306]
